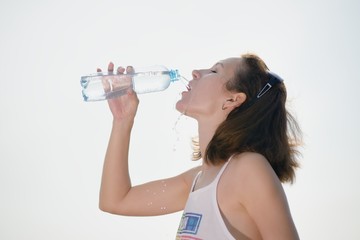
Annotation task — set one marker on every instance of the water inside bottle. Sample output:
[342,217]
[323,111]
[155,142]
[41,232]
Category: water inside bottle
[101,87]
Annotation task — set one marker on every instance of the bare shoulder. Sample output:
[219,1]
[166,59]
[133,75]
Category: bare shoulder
[250,164]
[251,173]
[252,184]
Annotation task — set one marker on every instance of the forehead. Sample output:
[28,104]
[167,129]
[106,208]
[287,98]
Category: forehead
[230,64]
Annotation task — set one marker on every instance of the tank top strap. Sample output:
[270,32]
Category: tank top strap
[195,181]
[222,169]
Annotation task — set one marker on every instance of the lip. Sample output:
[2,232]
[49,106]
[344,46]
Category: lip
[188,87]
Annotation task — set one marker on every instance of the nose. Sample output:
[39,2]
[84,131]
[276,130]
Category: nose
[196,74]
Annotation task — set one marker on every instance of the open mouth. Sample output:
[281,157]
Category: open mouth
[188,87]
[186,83]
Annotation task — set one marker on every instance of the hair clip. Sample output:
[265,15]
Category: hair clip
[274,79]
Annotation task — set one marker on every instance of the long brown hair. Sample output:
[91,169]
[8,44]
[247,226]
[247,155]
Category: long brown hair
[261,125]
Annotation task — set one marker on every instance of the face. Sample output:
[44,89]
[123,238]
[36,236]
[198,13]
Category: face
[207,92]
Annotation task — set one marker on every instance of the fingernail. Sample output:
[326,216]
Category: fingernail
[130,69]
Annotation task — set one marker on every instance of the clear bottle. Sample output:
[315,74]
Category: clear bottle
[102,86]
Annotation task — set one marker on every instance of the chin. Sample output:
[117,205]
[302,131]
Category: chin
[180,106]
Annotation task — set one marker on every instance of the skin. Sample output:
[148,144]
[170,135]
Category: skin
[250,196]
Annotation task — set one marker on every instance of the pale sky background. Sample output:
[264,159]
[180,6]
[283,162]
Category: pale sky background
[52,143]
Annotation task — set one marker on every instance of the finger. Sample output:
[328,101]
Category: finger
[131,92]
[120,70]
[111,67]
[130,69]
[106,85]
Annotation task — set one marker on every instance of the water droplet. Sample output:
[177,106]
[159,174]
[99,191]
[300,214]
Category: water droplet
[177,121]
[184,81]
[176,131]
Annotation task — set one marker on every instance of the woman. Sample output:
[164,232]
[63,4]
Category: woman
[246,151]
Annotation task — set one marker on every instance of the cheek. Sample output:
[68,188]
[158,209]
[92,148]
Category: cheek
[204,101]
[211,93]
[203,98]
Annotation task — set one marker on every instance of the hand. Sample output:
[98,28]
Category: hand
[125,106]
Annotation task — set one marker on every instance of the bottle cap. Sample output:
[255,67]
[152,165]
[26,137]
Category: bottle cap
[174,75]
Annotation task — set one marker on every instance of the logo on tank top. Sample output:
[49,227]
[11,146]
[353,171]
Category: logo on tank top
[189,224]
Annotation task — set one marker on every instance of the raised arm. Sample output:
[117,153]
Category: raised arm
[117,195]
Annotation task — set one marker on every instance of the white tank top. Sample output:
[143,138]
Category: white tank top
[202,219]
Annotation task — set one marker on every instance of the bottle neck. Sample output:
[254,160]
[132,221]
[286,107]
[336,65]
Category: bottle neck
[174,75]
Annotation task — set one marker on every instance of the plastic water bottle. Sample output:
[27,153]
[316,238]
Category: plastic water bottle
[102,86]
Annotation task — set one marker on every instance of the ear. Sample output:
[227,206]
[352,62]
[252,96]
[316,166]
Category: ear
[235,100]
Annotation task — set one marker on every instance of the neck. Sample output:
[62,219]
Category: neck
[206,132]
